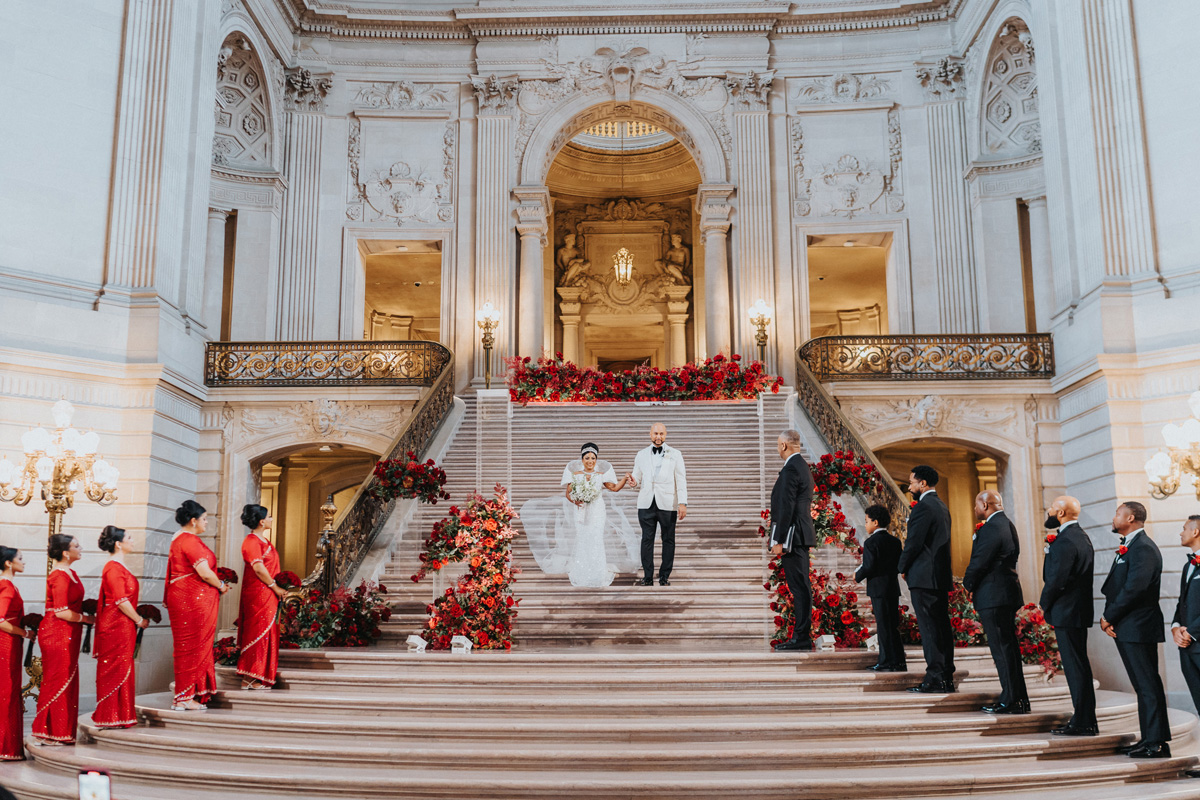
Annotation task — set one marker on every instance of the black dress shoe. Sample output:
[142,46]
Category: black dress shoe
[1152,750]
[888,668]
[1076,730]
[644,582]
[1015,707]
[795,644]
[663,582]
[1126,749]
[1191,773]
[933,687]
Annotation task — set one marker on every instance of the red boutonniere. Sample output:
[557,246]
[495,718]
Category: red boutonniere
[913,504]
[978,525]
[1050,537]
[1122,550]
[1195,559]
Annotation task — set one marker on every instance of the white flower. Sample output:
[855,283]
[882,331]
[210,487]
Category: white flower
[583,490]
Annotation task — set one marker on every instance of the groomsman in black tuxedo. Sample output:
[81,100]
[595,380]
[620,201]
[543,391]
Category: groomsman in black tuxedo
[1187,614]
[880,569]
[925,566]
[1067,576]
[1133,617]
[792,534]
[991,577]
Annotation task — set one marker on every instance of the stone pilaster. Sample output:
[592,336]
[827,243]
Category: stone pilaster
[214,270]
[532,213]
[569,310]
[712,207]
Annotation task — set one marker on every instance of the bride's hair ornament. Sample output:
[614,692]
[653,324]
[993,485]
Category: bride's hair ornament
[588,447]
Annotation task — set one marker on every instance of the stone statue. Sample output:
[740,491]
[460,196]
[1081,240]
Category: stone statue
[679,257]
[576,274]
[671,272]
[567,254]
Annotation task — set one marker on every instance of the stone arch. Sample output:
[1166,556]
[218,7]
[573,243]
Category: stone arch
[1009,122]
[655,106]
[245,135]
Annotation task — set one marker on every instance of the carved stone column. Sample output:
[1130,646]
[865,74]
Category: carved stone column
[493,188]
[712,206]
[1041,261]
[677,317]
[532,213]
[214,271]
[569,317]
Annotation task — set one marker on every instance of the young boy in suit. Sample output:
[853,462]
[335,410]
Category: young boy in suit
[880,566]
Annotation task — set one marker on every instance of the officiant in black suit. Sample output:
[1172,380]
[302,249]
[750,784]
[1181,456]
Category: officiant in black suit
[1067,580]
[925,566]
[992,580]
[792,534]
[879,568]
[1187,614]
[1134,618]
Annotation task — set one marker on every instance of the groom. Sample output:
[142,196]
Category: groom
[658,470]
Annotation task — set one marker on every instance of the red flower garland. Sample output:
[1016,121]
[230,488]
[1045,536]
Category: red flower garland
[553,380]
[406,477]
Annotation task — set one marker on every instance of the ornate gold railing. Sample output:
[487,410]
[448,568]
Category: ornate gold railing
[839,434]
[935,357]
[344,545]
[332,363]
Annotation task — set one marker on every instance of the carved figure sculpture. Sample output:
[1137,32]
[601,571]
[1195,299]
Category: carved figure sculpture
[670,272]
[679,256]
[566,254]
[576,272]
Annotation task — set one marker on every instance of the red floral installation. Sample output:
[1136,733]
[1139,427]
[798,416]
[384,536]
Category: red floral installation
[964,621]
[553,380]
[409,478]
[480,606]
[1037,640]
[341,618]
[225,651]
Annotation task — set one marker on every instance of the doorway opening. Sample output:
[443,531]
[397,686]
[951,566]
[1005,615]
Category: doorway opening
[403,290]
[847,284]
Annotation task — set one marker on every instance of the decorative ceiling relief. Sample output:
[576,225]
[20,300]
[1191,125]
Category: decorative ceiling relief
[404,96]
[1010,124]
[840,88]
[415,189]
[243,132]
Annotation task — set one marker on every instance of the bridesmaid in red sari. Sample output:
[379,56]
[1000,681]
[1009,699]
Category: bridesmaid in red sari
[192,596]
[59,637]
[258,631]
[117,622]
[12,637]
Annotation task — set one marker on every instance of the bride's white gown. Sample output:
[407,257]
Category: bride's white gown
[590,544]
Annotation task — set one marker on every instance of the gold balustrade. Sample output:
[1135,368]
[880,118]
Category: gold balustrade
[930,357]
[324,363]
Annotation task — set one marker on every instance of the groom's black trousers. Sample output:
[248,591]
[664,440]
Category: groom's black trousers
[795,572]
[651,519]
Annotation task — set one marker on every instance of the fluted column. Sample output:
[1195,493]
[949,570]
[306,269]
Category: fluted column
[569,316]
[712,206]
[677,317]
[214,271]
[1041,261]
[496,98]
[532,212]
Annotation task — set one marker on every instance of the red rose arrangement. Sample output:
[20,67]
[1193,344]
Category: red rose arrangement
[480,605]
[910,632]
[225,651]
[151,614]
[227,575]
[964,621]
[88,608]
[31,622]
[1122,550]
[1050,537]
[287,580]
[1036,639]
[553,380]
[343,618]
[406,477]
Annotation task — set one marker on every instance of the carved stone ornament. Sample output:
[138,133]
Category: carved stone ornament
[323,419]
[242,133]
[403,96]
[1011,125]
[849,187]
[749,90]
[639,295]
[305,91]
[403,192]
[931,415]
[941,80]
[841,88]
[569,220]
[495,94]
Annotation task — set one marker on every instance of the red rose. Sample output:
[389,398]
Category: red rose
[1050,537]
[1122,550]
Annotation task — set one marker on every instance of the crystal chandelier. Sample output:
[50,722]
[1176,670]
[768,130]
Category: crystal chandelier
[1181,460]
[623,259]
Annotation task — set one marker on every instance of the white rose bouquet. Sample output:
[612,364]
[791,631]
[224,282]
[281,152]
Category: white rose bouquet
[583,490]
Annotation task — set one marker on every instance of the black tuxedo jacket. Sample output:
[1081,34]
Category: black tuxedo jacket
[1131,591]
[926,556]
[1187,608]
[791,506]
[1067,575]
[880,566]
[992,574]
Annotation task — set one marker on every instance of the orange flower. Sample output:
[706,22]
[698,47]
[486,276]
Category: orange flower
[476,561]
[489,525]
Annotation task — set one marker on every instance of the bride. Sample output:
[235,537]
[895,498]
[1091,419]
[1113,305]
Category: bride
[585,533]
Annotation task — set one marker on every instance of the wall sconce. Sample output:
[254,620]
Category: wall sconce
[760,317]
[487,318]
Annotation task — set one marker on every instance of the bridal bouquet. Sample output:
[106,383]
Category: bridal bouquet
[583,490]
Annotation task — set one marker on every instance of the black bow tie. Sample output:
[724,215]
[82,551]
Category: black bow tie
[1122,540]
[656,450]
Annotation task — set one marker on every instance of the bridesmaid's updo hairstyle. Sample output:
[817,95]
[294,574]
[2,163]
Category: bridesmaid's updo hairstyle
[7,554]
[589,447]
[109,538]
[59,543]
[189,511]
[253,514]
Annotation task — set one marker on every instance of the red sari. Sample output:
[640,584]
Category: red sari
[116,635]
[258,632]
[58,698]
[193,607]
[12,608]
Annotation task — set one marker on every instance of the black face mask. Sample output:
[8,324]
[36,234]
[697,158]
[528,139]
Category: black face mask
[1051,522]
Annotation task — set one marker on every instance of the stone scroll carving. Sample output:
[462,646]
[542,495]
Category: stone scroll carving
[840,88]
[403,96]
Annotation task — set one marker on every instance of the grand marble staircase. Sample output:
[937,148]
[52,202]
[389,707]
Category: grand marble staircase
[625,692]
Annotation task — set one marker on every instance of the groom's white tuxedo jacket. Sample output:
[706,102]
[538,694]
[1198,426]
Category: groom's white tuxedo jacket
[660,478]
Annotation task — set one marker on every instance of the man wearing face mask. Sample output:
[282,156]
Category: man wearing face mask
[1067,603]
